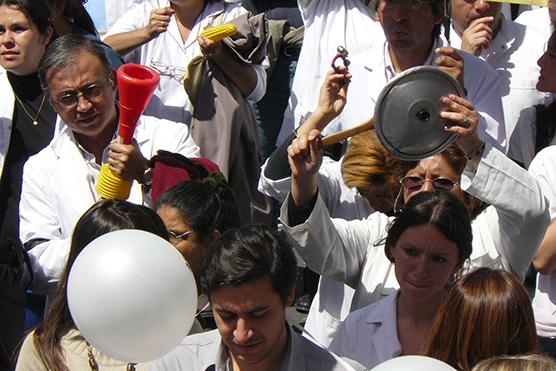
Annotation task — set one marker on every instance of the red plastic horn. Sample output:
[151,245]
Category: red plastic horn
[136,84]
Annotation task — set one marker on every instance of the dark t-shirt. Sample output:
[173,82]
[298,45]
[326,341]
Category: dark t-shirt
[276,9]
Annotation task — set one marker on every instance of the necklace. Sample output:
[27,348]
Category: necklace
[35,122]
[93,362]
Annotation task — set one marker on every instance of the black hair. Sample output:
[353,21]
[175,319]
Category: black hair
[38,11]
[205,205]
[247,254]
[441,209]
[64,50]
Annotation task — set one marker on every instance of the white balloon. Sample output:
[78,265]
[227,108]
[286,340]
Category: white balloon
[132,295]
[413,363]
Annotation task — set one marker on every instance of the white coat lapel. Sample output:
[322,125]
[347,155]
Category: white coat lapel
[6,114]
[385,339]
[76,188]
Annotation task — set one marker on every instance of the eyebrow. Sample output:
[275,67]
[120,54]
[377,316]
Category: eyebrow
[252,310]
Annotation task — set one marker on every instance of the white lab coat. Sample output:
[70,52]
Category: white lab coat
[370,72]
[513,54]
[505,236]
[328,24]
[332,300]
[539,19]
[169,55]
[543,168]
[6,116]
[369,335]
[59,186]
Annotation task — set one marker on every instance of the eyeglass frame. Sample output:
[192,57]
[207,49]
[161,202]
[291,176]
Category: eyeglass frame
[78,93]
[423,181]
[180,237]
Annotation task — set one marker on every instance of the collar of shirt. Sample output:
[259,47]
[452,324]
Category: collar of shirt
[389,69]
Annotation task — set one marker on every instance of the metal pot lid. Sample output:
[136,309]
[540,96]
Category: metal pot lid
[407,113]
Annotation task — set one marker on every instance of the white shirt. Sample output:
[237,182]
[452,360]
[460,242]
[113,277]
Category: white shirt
[505,236]
[369,336]
[206,351]
[328,24]
[514,54]
[543,168]
[170,55]
[332,300]
[539,19]
[59,186]
[372,70]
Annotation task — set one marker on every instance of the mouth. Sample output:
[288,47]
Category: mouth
[88,119]
[250,348]
[9,55]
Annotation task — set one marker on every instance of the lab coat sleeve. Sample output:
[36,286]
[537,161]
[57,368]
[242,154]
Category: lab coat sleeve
[39,220]
[334,248]
[518,217]
[543,168]
[481,82]
[260,87]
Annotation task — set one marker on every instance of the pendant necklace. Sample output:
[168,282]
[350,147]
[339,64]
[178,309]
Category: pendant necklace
[35,122]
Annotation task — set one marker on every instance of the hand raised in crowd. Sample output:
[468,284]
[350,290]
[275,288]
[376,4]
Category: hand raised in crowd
[332,100]
[464,121]
[210,49]
[126,160]
[333,93]
[450,62]
[477,36]
[158,21]
[305,157]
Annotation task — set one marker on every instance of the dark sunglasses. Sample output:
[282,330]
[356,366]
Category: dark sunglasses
[415,183]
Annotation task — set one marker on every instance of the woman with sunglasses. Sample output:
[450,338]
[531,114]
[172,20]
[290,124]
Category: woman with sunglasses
[506,234]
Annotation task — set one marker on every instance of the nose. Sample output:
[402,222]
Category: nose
[422,266]
[427,186]
[7,37]
[83,104]
[399,13]
[242,332]
[540,61]
[481,6]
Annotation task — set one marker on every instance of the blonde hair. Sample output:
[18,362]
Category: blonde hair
[523,362]
[367,163]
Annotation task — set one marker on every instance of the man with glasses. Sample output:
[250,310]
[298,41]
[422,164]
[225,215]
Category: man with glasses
[59,182]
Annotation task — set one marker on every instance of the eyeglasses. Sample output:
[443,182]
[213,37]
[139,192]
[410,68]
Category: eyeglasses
[91,93]
[176,73]
[415,183]
[179,237]
[410,4]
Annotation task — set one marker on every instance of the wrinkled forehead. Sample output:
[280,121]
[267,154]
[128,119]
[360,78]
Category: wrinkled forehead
[79,70]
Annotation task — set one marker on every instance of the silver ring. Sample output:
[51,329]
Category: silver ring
[466,120]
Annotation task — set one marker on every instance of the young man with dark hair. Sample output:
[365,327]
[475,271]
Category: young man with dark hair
[249,277]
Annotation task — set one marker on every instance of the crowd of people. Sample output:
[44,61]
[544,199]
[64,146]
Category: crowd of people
[450,256]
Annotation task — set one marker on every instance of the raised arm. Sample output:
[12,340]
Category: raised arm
[128,41]
[542,168]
